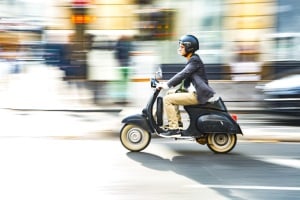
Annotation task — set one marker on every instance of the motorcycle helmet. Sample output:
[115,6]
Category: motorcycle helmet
[190,43]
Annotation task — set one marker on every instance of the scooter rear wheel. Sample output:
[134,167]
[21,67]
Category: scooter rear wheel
[221,142]
[134,138]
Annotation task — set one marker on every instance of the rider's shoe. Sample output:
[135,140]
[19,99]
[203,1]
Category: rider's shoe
[180,124]
[171,133]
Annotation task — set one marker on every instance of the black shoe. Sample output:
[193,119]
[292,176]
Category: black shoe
[180,124]
[171,133]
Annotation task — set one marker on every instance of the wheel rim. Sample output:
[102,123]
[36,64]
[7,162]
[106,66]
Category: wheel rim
[134,138]
[221,139]
[135,135]
[221,142]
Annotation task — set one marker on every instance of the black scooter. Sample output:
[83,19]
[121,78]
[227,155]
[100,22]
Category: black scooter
[210,124]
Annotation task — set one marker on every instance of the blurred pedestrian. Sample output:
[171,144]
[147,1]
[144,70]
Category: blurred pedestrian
[123,51]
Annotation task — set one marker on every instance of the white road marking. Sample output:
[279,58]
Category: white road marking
[282,161]
[246,187]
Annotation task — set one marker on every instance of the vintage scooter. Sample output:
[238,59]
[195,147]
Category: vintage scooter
[209,124]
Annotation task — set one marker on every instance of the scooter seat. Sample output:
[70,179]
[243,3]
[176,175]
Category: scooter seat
[218,104]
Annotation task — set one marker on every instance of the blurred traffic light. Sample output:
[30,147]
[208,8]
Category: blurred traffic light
[82,19]
[81,3]
[80,12]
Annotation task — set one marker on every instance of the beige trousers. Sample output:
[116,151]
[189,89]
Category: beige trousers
[172,101]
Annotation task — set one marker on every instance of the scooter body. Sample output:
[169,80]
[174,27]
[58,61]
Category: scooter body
[211,117]
[209,124]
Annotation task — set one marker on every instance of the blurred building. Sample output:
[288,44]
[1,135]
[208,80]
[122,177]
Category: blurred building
[228,31]
[246,23]
[252,38]
[20,35]
[243,40]
[83,23]
[284,42]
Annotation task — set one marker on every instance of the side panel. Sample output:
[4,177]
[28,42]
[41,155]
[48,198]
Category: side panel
[203,121]
[214,123]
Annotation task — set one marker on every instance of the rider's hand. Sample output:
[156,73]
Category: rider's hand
[163,85]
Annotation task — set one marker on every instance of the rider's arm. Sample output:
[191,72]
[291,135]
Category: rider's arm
[192,66]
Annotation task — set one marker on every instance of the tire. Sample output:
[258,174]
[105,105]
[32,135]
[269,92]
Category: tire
[134,138]
[221,142]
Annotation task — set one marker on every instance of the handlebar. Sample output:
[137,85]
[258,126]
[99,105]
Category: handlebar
[153,82]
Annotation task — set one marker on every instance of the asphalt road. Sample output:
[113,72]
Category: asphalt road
[71,155]
[44,168]
[251,171]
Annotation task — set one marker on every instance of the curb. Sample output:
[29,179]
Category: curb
[109,110]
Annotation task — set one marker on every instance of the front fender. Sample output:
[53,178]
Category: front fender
[139,120]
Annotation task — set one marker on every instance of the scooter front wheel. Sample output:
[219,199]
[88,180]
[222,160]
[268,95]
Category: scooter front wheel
[221,142]
[134,138]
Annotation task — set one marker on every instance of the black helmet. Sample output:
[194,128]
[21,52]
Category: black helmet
[190,43]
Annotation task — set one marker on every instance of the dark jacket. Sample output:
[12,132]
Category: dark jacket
[194,72]
[122,54]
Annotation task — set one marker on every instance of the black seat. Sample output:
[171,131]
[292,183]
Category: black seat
[216,105]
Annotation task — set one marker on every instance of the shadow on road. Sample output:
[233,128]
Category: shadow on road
[227,174]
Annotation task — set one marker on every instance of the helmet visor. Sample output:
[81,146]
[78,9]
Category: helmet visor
[186,44]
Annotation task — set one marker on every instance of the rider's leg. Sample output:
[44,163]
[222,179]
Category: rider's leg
[180,124]
[171,102]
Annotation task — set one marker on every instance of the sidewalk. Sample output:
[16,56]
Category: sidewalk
[42,88]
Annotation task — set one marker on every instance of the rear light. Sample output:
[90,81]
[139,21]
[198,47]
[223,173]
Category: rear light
[234,117]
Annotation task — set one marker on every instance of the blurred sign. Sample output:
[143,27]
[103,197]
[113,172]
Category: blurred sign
[250,15]
[250,22]
[156,24]
[82,19]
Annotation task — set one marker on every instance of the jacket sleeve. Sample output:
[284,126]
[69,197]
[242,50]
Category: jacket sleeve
[191,67]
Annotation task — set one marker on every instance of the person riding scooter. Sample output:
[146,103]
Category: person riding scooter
[193,78]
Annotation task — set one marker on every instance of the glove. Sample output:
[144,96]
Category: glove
[163,85]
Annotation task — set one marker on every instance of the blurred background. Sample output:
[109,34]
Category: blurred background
[103,52]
